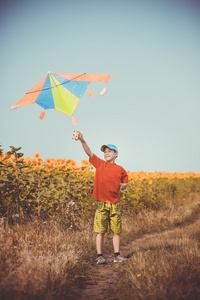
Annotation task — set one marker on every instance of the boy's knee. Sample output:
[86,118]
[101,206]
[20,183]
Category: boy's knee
[100,234]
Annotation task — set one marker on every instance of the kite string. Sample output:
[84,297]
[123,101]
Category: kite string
[48,88]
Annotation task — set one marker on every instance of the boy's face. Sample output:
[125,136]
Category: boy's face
[110,155]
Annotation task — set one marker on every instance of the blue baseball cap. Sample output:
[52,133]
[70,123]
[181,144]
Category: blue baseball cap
[110,146]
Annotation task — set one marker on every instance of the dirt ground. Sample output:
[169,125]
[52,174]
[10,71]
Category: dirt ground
[102,278]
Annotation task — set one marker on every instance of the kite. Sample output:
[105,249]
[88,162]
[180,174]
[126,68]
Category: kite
[61,92]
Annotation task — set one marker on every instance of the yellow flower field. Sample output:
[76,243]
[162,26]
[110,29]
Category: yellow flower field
[60,190]
[85,164]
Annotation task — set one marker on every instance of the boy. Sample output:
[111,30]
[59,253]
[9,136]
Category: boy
[108,181]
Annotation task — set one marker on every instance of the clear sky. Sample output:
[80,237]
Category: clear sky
[151,111]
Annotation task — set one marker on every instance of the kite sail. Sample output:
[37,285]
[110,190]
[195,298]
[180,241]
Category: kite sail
[61,92]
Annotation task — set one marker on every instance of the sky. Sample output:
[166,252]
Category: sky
[152,106]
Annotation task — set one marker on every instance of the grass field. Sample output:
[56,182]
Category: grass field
[47,244]
[163,266]
[40,260]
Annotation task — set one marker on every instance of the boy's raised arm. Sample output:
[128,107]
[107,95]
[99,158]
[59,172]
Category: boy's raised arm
[84,144]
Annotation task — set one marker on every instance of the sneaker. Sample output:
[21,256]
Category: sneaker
[119,258]
[100,260]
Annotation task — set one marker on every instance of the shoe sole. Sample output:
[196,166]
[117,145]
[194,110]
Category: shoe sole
[116,261]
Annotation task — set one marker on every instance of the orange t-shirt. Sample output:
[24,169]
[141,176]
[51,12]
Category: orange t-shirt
[107,180]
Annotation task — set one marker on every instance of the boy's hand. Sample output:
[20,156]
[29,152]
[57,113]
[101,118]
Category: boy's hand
[80,137]
[124,186]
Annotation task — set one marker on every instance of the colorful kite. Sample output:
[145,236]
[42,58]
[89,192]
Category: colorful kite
[61,92]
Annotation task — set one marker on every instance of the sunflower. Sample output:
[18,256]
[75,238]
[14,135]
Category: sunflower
[54,163]
[34,162]
[63,162]
[40,163]
[71,163]
[83,169]
[12,159]
[37,155]
[2,155]
[77,169]
[48,161]
[85,163]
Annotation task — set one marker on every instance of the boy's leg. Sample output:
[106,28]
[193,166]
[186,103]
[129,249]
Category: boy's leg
[100,227]
[116,243]
[116,227]
[99,242]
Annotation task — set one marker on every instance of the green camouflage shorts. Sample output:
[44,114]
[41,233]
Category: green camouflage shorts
[107,214]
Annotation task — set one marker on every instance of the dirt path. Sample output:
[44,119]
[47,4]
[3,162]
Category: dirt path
[103,278]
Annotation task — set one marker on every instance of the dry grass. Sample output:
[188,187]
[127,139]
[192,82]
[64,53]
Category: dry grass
[176,213]
[40,261]
[163,267]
